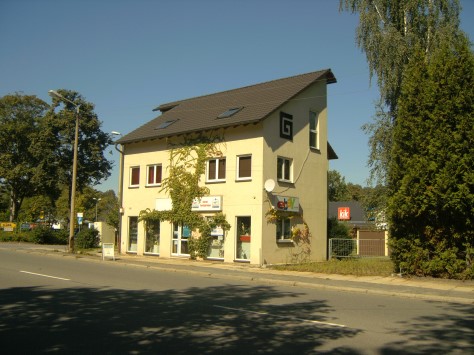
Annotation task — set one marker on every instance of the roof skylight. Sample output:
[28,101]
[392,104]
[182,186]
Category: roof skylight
[165,124]
[230,112]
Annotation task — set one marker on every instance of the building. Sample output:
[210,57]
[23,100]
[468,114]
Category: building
[350,212]
[273,161]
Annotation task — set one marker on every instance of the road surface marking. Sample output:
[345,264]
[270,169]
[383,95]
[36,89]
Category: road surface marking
[287,317]
[52,277]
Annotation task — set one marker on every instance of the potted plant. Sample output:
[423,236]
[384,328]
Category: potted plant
[244,233]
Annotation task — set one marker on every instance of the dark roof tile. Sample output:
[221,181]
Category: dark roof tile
[201,113]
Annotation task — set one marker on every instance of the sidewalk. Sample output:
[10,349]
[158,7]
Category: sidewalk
[420,288]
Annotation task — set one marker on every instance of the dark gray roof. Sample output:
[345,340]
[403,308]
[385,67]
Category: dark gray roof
[201,113]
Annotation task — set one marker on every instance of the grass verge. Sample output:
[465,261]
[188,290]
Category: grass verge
[356,267]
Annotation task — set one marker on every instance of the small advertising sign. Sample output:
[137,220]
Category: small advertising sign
[7,226]
[285,203]
[80,215]
[344,213]
[207,203]
[108,251]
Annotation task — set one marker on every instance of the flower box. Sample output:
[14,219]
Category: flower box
[245,238]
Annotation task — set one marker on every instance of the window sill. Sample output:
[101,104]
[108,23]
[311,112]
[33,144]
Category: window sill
[134,186]
[153,185]
[241,261]
[243,179]
[285,181]
[215,181]
[285,241]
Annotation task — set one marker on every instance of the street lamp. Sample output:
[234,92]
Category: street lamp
[119,236]
[57,95]
[96,202]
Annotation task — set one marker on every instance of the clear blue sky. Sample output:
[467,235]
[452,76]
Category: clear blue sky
[129,56]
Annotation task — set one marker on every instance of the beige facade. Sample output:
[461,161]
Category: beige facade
[299,173]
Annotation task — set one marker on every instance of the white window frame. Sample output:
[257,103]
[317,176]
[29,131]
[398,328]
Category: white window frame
[217,160]
[314,131]
[237,170]
[154,166]
[282,222]
[285,161]
[132,168]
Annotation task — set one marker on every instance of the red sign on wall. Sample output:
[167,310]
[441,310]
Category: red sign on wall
[343,213]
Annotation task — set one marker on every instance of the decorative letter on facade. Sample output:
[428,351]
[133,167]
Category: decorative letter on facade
[286,126]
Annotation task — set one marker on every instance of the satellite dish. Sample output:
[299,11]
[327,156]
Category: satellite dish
[269,185]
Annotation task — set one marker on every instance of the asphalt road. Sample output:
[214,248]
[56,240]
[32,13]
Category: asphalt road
[58,304]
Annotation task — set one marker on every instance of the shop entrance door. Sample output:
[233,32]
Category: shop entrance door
[181,234]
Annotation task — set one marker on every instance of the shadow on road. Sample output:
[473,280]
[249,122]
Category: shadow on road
[229,319]
[440,334]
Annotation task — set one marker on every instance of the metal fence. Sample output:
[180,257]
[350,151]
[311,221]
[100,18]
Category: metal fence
[355,248]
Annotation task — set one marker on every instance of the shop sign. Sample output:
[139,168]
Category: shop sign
[7,226]
[207,203]
[285,203]
[218,231]
[343,213]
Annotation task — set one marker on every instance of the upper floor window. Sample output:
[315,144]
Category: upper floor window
[283,230]
[153,175]
[134,176]
[284,169]
[216,169]
[244,167]
[313,130]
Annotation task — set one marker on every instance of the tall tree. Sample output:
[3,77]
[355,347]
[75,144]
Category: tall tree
[92,165]
[388,33]
[337,187]
[19,121]
[431,174]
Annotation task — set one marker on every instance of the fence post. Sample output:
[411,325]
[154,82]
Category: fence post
[357,243]
[330,248]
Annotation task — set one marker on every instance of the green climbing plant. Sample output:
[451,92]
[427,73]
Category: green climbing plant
[187,164]
[301,237]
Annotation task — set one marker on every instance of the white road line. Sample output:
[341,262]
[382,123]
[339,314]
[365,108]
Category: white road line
[52,277]
[286,317]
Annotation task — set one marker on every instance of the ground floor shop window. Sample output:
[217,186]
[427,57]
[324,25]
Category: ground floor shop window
[216,249]
[132,234]
[181,234]
[244,225]
[152,241]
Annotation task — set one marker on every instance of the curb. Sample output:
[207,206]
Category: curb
[268,280]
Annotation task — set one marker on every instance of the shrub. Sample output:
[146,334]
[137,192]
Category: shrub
[14,236]
[412,257]
[60,236]
[87,239]
[338,230]
[42,235]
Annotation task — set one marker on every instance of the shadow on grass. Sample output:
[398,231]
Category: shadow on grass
[225,319]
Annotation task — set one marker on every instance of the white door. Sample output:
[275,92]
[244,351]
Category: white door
[181,234]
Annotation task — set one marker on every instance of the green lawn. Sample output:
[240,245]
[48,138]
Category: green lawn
[352,266]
